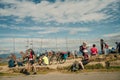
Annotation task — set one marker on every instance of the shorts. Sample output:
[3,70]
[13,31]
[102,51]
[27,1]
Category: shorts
[93,54]
[31,62]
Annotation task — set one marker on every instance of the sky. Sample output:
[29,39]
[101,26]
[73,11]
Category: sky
[49,19]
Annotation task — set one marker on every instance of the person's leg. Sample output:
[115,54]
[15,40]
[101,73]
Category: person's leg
[119,50]
[28,67]
[34,67]
[81,64]
[105,51]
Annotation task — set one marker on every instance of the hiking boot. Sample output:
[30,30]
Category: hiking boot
[34,73]
[26,73]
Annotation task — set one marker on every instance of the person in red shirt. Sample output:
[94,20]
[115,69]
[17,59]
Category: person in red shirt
[94,50]
[31,61]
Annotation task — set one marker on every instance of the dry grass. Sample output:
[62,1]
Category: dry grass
[114,60]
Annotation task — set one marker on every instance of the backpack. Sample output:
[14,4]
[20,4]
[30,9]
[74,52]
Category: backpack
[81,48]
[106,46]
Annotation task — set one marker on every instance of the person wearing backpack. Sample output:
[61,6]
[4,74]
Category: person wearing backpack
[117,47]
[104,46]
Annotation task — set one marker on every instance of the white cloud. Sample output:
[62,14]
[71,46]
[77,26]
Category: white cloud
[22,27]
[79,29]
[3,26]
[14,35]
[94,17]
[112,35]
[46,30]
[43,30]
[70,11]
[49,30]
[71,30]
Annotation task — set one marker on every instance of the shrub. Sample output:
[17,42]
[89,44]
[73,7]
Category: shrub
[96,66]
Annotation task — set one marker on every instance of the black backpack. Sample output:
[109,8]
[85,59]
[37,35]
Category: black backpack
[81,48]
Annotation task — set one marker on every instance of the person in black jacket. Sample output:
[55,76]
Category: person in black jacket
[118,46]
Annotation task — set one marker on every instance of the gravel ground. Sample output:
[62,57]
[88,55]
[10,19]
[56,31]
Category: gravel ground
[74,76]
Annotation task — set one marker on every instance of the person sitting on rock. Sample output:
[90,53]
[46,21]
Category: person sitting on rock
[85,59]
[45,60]
[94,50]
[11,62]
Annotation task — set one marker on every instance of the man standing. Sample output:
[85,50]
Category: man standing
[118,46]
[104,46]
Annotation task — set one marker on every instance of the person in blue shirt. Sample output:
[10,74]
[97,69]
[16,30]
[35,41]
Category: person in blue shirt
[11,63]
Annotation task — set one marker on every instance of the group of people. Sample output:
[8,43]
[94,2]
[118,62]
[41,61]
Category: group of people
[29,58]
[44,60]
[84,50]
[94,51]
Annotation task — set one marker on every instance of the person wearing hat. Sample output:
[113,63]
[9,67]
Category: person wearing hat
[83,47]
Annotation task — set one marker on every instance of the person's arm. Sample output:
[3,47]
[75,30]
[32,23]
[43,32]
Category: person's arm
[96,50]
[91,51]
[34,57]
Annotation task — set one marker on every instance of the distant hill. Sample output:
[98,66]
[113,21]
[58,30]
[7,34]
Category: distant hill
[6,55]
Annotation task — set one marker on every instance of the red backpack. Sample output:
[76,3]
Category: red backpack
[106,46]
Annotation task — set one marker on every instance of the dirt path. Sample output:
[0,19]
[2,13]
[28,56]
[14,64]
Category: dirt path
[74,76]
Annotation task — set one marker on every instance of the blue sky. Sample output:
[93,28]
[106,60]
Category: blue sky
[74,19]
[61,18]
